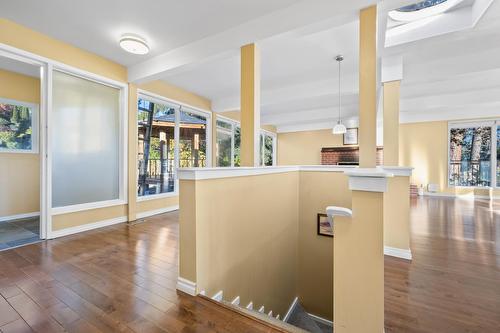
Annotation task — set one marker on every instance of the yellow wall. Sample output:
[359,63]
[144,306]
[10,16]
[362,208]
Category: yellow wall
[32,41]
[315,273]
[237,249]
[304,148]
[236,115]
[287,254]
[24,38]
[167,90]
[19,172]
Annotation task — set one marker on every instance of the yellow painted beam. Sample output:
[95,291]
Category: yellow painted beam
[250,105]
[367,87]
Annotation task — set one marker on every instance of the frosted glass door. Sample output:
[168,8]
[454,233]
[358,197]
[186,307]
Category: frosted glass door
[85,141]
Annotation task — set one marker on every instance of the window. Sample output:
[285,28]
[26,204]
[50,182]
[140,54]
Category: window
[470,154]
[169,136]
[267,148]
[18,126]
[156,147]
[228,139]
[86,141]
[193,140]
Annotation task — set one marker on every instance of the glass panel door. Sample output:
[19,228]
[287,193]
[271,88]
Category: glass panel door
[85,141]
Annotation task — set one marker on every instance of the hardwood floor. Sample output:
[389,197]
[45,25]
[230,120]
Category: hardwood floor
[453,281]
[115,279]
[122,279]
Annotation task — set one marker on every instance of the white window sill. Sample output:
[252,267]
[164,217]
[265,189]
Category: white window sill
[87,206]
[157,196]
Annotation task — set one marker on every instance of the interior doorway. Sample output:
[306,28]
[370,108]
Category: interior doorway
[20,162]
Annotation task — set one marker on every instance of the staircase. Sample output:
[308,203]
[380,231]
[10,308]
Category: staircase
[300,318]
[296,321]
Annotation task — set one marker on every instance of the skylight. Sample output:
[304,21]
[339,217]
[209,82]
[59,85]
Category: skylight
[420,5]
[422,9]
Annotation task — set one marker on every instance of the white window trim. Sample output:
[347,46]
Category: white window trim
[156,98]
[141,94]
[35,123]
[275,146]
[493,123]
[232,132]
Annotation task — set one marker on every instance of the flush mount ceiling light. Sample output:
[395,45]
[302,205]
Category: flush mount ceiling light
[422,10]
[134,44]
[339,128]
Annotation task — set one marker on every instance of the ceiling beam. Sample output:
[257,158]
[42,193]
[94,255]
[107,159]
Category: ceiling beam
[228,42]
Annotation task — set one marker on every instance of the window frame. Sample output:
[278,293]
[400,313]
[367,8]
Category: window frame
[159,100]
[35,122]
[493,124]
[275,141]
[177,106]
[234,124]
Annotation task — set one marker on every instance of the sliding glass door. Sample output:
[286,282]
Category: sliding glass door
[156,146]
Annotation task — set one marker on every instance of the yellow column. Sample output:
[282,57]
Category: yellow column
[391,123]
[367,87]
[359,258]
[250,105]
[397,215]
[132,152]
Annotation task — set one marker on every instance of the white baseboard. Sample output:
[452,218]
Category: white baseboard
[290,309]
[18,216]
[399,253]
[184,285]
[163,210]
[470,196]
[321,320]
[86,227]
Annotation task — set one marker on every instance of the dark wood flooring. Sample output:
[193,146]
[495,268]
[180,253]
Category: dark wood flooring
[122,279]
[453,281]
[116,279]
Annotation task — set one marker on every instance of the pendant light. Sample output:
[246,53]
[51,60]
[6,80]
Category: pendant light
[339,128]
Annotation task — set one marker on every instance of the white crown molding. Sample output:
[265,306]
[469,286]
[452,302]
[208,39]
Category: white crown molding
[18,216]
[398,253]
[87,227]
[400,171]
[368,179]
[326,168]
[216,173]
[186,286]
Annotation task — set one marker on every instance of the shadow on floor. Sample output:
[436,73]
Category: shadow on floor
[15,233]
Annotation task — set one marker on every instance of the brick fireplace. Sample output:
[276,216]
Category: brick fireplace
[345,156]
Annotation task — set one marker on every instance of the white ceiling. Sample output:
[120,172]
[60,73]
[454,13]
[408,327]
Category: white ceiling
[96,25]
[195,45]
[452,76]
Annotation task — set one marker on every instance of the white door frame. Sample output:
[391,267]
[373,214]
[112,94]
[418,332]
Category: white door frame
[25,57]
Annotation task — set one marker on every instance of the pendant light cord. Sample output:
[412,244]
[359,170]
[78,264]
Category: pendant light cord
[339,94]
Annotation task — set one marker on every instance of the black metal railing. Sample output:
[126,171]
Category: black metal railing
[470,173]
